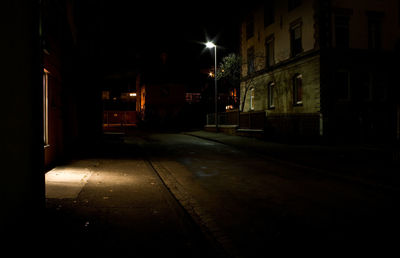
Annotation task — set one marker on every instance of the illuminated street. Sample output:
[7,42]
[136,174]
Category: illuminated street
[246,204]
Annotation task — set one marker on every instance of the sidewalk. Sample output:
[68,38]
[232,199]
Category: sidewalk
[116,207]
[372,165]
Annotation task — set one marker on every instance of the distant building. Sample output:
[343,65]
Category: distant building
[119,100]
[160,94]
[323,68]
[161,104]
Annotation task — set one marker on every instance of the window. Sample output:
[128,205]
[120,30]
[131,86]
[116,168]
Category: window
[374,33]
[292,4]
[295,39]
[269,52]
[297,89]
[342,31]
[250,61]
[379,86]
[249,27]
[252,98]
[366,87]
[269,13]
[342,85]
[45,107]
[271,95]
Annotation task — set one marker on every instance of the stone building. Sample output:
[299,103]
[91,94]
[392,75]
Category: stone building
[323,68]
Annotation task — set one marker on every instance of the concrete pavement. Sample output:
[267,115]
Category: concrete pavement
[117,207]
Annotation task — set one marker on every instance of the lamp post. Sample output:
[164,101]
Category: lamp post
[212,45]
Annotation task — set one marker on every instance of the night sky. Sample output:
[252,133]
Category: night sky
[134,31]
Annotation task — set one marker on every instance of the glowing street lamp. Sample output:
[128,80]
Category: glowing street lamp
[212,45]
[209,44]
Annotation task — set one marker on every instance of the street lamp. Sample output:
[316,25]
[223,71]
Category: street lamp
[212,45]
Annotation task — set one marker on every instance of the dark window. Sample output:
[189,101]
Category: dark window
[271,95]
[269,13]
[250,61]
[342,31]
[292,4]
[295,40]
[374,33]
[379,86]
[249,27]
[298,89]
[366,87]
[342,87]
[269,52]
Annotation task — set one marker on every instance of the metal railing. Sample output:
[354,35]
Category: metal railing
[245,120]
[224,118]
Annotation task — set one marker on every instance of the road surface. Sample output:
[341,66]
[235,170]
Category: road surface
[171,194]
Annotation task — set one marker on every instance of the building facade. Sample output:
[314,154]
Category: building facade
[323,68]
[160,93]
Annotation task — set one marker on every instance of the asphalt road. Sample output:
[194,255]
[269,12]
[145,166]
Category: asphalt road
[175,195]
[255,205]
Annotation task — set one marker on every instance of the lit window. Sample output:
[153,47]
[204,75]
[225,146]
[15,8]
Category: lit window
[252,99]
[105,95]
[271,95]
[298,89]
[45,107]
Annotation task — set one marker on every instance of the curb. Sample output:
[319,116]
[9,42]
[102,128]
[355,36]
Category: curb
[207,225]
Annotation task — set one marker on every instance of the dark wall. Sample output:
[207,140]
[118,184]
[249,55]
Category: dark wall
[22,177]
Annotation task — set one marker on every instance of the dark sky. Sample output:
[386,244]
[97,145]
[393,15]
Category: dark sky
[133,30]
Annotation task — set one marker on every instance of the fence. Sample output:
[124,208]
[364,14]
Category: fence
[247,120]
[252,120]
[307,124]
[224,118]
[119,118]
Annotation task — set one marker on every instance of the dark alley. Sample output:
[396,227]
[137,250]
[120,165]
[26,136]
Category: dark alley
[188,129]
